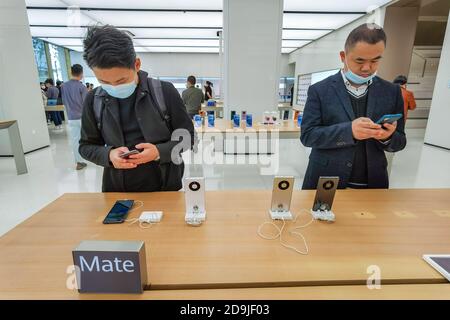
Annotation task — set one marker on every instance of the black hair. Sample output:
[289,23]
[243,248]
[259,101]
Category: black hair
[370,33]
[107,47]
[50,81]
[76,70]
[58,82]
[209,83]
[192,80]
[401,80]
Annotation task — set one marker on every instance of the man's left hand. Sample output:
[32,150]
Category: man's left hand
[386,131]
[148,154]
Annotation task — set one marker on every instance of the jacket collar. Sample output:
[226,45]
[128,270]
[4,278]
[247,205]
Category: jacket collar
[341,90]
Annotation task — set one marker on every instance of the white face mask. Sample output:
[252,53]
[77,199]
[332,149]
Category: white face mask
[121,91]
[356,79]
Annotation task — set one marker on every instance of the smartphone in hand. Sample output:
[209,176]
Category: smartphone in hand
[126,155]
[389,118]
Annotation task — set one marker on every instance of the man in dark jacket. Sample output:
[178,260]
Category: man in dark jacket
[340,114]
[130,117]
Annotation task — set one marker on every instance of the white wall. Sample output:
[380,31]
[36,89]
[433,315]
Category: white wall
[323,54]
[20,94]
[438,130]
[287,68]
[182,64]
[252,45]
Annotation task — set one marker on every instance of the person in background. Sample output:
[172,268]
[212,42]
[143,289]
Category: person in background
[192,97]
[58,86]
[59,100]
[87,85]
[53,93]
[291,91]
[208,91]
[73,95]
[44,100]
[408,96]
[91,86]
[339,120]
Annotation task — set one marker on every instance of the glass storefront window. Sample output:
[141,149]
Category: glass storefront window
[285,89]
[41,60]
[58,60]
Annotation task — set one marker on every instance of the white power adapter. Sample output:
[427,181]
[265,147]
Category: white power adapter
[150,216]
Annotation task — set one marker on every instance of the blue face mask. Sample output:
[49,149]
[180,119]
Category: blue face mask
[120,91]
[353,77]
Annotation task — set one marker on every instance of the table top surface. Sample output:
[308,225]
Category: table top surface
[388,230]
[439,291]
[58,107]
[6,123]
[223,125]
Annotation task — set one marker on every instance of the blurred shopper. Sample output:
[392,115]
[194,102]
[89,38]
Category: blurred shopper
[408,96]
[208,91]
[52,93]
[59,100]
[73,95]
[192,97]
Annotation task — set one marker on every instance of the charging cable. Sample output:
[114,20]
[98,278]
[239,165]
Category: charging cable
[292,231]
[141,203]
[142,224]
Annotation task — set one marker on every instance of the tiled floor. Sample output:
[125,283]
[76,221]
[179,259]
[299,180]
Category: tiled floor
[51,173]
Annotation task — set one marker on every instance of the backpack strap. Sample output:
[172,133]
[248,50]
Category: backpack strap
[160,101]
[98,107]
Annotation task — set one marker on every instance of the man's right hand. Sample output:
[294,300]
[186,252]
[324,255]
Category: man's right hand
[117,161]
[364,128]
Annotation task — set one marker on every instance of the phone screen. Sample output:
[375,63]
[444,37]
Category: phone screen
[443,262]
[119,211]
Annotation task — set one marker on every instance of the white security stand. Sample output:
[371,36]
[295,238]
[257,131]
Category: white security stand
[194,216]
[281,215]
[324,215]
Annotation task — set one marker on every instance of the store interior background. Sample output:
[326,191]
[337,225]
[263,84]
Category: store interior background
[34,47]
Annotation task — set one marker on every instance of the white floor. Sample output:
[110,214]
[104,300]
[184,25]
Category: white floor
[51,172]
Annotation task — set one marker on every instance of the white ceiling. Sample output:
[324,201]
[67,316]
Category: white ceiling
[165,29]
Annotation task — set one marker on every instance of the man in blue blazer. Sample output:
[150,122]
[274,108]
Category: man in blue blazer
[340,114]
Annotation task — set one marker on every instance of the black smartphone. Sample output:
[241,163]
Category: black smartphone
[118,212]
[126,155]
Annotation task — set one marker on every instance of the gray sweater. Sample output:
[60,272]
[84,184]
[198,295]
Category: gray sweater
[73,93]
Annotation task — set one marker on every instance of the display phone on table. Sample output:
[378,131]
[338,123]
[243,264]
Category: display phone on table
[118,212]
[326,189]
